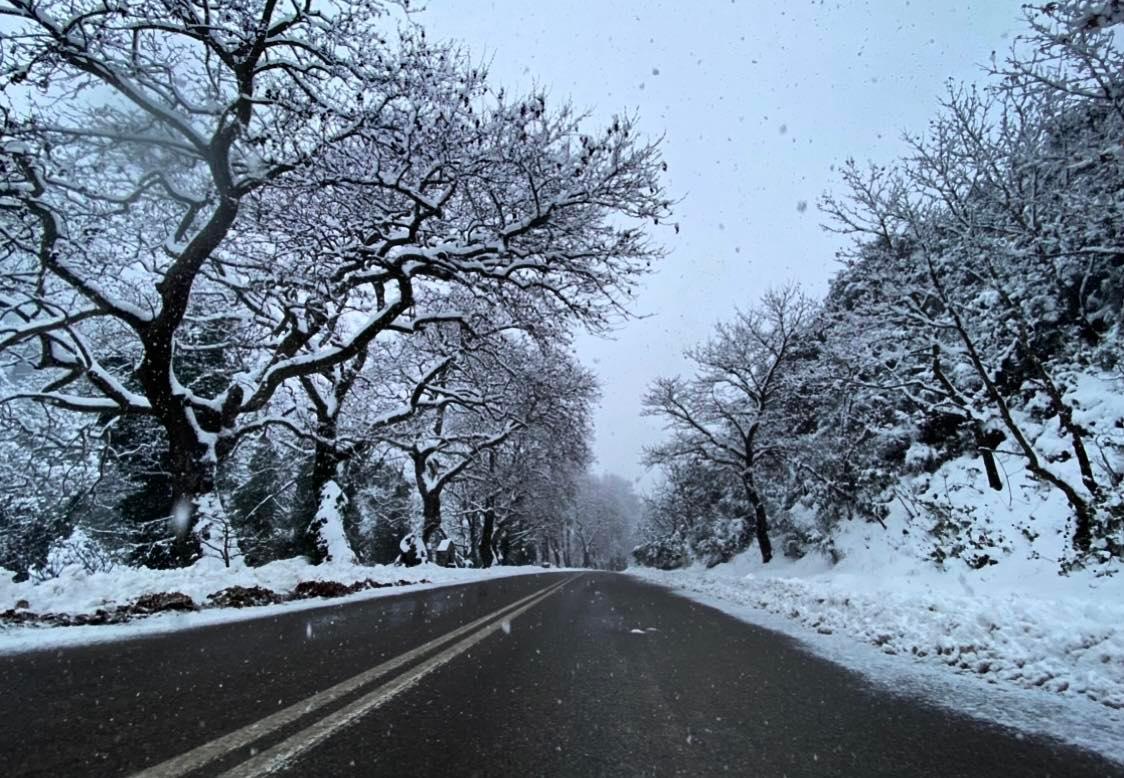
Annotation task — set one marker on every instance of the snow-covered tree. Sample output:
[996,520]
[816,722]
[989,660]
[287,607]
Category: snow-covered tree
[277,183]
[731,412]
[490,387]
[515,502]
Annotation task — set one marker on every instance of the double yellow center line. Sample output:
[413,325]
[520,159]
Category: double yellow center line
[278,756]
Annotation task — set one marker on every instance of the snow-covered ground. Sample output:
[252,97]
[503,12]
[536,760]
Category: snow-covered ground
[1068,645]
[1075,720]
[76,592]
[1015,641]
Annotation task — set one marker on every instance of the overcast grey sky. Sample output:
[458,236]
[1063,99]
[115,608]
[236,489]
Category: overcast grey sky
[758,101]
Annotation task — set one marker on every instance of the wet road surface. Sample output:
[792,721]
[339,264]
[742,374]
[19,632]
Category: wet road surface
[552,674]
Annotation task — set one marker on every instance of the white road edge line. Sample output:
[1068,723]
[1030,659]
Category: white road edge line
[280,755]
[200,756]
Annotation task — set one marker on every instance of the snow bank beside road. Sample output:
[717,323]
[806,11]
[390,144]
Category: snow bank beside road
[1066,718]
[76,592]
[1069,645]
[909,588]
[956,598]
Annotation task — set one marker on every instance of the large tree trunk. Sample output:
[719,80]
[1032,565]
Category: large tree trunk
[431,500]
[760,522]
[216,536]
[195,449]
[761,529]
[431,516]
[202,527]
[487,556]
[505,547]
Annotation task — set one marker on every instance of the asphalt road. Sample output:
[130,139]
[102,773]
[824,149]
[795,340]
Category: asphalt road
[554,674]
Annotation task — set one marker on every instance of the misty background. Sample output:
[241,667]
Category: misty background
[757,103]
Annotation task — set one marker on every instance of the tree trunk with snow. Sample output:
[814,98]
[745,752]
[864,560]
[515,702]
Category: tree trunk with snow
[213,531]
[202,527]
[325,536]
[327,531]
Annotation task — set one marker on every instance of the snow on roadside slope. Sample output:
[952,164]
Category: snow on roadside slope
[76,592]
[1013,642]
[1015,621]
[1067,646]
[1073,720]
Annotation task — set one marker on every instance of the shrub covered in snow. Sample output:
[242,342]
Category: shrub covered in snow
[79,550]
[663,553]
